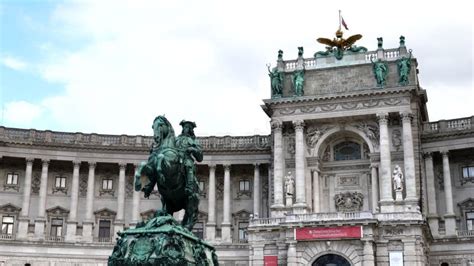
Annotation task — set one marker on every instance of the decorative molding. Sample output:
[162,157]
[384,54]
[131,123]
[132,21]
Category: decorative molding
[105,213]
[371,131]
[345,181]
[9,208]
[57,211]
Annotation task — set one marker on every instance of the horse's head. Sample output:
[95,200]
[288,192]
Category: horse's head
[163,132]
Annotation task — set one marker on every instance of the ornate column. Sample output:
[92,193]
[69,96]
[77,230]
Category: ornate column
[88,222]
[40,220]
[431,195]
[375,187]
[256,190]
[72,219]
[226,235]
[369,259]
[258,254]
[119,219]
[135,203]
[300,205]
[409,158]
[24,220]
[449,217]
[316,199]
[292,259]
[278,163]
[211,205]
[386,197]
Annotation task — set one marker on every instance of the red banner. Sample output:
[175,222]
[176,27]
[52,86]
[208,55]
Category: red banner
[308,233]
[270,260]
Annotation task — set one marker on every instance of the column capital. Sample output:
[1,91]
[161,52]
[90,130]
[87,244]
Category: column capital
[276,124]
[92,164]
[298,124]
[382,118]
[256,165]
[406,116]
[29,159]
[76,163]
[227,167]
[212,166]
[45,162]
[122,165]
[374,165]
[445,153]
[428,155]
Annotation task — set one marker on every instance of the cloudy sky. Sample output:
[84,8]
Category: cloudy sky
[112,66]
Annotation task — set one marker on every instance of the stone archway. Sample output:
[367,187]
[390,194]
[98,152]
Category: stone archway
[312,251]
[331,260]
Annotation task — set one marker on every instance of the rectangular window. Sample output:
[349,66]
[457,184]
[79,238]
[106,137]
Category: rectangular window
[56,227]
[12,179]
[60,182]
[470,221]
[198,230]
[7,225]
[107,184]
[244,185]
[104,229]
[243,232]
[468,172]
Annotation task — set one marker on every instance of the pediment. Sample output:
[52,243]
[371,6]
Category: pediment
[242,214]
[9,208]
[467,204]
[105,212]
[57,211]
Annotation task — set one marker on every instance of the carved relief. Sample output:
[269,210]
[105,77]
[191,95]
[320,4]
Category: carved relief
[396,139]
[220,188]
[371,131]
[326,154]
[129,186]
[83,186]
[438,171]
[290,146]
[349,201]
[393,232]
[348,181]
[35,186]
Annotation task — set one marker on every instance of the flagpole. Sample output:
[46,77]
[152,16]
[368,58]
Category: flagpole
[339,20]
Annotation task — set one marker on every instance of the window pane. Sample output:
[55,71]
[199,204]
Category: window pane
[63,182]
[9,179]
[104,228]
[241,185]
[111,182]
[465,172]
[15,179]
[347,150]
[470,215]
[104,184]
[470,225]
[7,219]
[201,185]
[247,185]
[58,182]
[471,171]
[57,222]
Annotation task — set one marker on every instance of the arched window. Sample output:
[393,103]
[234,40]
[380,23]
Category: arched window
[347,150]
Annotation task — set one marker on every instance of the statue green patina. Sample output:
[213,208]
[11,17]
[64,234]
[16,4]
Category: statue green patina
[162,240]
[402,41]
[380,69]
[298,82]
[300,51]
[379,43]
[276,80]
[280,55]
[404,66]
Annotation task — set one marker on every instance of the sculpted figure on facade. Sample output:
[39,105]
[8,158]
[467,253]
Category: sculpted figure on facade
[398,178]
[379,43]
[404,66]
[289,184]
[298,81]
[276,81]
[380,71]
[371,131]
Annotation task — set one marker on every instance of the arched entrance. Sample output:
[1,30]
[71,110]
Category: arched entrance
[331,260]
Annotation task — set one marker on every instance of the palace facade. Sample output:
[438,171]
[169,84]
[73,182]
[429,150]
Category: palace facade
[353,173]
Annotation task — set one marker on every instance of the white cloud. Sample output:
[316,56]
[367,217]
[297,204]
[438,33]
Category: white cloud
[21,113]
[205,60]
[14,63]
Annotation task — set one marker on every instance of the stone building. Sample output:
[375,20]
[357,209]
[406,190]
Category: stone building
[353,173]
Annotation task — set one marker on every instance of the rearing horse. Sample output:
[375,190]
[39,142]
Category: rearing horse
[165,167]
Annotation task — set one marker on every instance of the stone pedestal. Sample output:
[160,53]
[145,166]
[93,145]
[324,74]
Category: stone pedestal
[450,224]
[71,227]
[210,231]
[40,223]
[87,231]
[398,196]
[161,241]
[289,201]
[226,234]
[23,223]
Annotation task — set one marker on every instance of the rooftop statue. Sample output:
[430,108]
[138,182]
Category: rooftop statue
[403,66]
[339,45]
[380,71]
[276,80]
[161,240]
